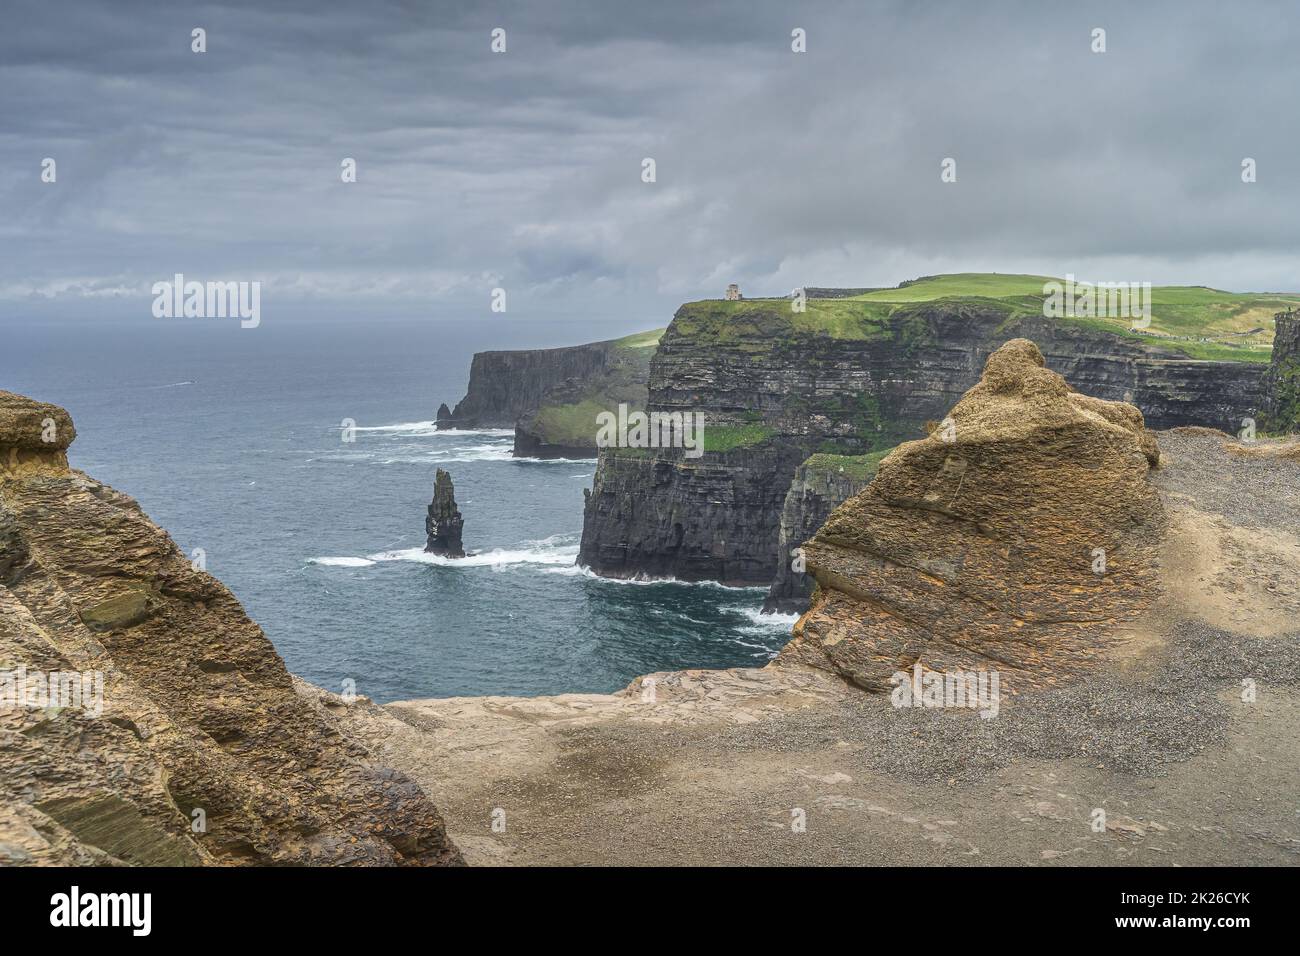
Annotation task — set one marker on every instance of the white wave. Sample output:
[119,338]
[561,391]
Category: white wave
[425,429]
[558,549]
[443,456]
[588,475]
[642,581]
[762,651]
[555,461]
[770,621]
[172,385]
[555,540]
[342,562]
[498,557]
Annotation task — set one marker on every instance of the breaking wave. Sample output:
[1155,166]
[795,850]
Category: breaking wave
[577,571]
[426,429]
[558,549]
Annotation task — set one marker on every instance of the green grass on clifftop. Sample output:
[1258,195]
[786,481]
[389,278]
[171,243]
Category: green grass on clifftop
[568,415]
[730,437]
[640,340]
[857,467]
[1197,321]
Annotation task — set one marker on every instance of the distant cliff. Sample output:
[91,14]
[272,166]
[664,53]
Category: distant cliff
[506,385]
[551,396]
[178,736]
[846,377]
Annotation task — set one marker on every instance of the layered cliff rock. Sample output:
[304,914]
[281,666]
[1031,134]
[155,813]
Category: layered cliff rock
[564,425]
[664,515]
[847,377]
[1282,412]
[504,385]
[821,484]
[551,396]
[176,735]
[1016,537]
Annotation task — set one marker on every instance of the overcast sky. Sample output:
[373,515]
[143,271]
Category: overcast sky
[523,169]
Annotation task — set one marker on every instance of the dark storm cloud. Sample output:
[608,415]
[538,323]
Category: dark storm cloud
[523,169]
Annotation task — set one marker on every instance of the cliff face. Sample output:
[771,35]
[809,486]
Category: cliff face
[666,515]
[1283,386]
[503,386]
[179,736]
[1016,541]
[774,393]
[551,397]
[564,425]
[821,484]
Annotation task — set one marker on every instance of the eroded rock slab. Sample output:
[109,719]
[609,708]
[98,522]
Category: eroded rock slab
[1015,537]
[198,750]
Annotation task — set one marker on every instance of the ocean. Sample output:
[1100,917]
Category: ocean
[231,440]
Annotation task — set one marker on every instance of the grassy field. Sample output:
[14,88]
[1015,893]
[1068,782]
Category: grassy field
[859,467]
[640,340]
[730,437]
[1197,321]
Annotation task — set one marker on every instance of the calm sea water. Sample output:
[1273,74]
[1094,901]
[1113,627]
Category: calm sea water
[230,440]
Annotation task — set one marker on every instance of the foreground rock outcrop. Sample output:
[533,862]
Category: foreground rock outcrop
[1014,538]
[444,524]
[185,741]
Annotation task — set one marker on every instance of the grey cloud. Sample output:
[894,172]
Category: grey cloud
[774,169]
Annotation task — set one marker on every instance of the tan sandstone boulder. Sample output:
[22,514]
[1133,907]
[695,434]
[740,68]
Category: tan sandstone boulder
[1013,538]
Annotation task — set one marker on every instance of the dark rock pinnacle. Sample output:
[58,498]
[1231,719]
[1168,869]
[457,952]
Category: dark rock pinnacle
[444,523]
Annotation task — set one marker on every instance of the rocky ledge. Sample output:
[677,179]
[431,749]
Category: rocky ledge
[186,741]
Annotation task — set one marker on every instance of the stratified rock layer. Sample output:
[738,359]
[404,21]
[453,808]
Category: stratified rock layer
[748,369]
[506,385]
[1013,538]
[1282,410]
[444,523]
[821,484]
[203,752]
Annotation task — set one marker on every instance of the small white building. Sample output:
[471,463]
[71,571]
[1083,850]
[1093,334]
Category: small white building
[733,292]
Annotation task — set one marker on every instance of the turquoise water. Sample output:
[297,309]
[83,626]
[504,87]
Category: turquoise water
[230,439]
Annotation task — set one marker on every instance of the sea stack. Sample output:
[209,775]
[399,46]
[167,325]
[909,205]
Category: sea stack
[444,417]
[444,523]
